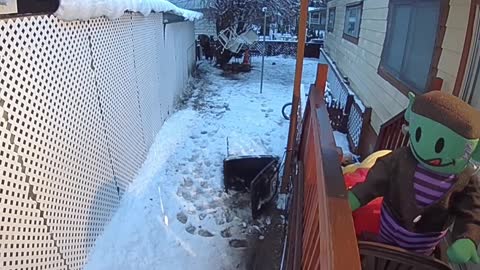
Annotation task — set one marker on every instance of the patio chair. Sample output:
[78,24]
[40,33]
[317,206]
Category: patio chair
[377,256]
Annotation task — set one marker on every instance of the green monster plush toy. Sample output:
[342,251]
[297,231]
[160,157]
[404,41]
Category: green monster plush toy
[431,184]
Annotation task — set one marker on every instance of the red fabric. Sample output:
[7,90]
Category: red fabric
[367,218]
[246,57]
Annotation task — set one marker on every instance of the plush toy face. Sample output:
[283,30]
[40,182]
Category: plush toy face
[437,147]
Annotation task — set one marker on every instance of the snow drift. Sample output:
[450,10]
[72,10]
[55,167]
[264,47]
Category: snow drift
[112,9]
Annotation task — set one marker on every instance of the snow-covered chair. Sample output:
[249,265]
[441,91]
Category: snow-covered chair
[249,37]
[226,37]
[233,42]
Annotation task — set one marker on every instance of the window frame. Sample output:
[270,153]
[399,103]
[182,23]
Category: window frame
[315,19]
[403,86]
[345,35]
[331,28]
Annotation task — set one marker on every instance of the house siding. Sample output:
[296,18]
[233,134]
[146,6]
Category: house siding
[453,42]
[360,62]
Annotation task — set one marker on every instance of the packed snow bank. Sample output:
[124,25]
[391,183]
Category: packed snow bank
[341,141]
[112,9]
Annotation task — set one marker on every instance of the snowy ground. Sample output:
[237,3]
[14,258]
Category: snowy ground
[176,214]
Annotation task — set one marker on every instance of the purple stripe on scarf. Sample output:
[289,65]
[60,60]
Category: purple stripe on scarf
[423,200]
[432,181]
[386,239]
[416,243]
[428,191]
[386,216]
[391,233]
[434,174]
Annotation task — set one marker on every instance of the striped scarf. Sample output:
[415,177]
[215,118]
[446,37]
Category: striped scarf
[429,186]
[394,234]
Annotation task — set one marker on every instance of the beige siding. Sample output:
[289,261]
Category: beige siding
[360,62]
[452,46]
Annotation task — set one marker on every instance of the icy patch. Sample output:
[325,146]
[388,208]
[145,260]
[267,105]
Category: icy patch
[282,201]
[241,145]
[168,140]
[88,9]
[341,141]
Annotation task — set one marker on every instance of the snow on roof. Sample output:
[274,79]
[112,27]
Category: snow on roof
[87,9]
[312,9]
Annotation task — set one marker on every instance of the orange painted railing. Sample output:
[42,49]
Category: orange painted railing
[320,230]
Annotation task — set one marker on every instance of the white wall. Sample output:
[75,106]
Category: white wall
[80,104]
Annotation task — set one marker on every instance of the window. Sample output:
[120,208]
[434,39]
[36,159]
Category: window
[474,98]
[471,91]
[315,18]
[410,44]
[331,19]
[353,15]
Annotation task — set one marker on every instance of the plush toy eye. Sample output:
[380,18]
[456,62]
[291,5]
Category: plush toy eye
[418,134]
[439,145]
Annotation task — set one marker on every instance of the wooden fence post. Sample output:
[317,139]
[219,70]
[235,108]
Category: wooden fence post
[292,133]
[362,142]
[321,79]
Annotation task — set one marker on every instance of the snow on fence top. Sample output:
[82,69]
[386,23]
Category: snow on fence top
[112,9]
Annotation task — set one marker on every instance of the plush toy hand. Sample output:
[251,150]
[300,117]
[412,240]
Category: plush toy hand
[353,201]
[463,251]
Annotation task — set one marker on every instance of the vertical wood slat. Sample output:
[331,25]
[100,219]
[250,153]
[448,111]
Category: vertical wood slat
[293,127]
[391,135]
[321,79]
[322,203]
[300,218]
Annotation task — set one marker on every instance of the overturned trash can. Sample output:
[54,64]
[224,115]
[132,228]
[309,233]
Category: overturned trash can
[257,174]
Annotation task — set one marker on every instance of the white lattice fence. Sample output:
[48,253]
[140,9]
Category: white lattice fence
[80,103]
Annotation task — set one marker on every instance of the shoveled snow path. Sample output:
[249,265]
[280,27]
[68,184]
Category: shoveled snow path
[175,214]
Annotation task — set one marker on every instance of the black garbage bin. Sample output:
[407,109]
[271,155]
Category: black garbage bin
[255,174]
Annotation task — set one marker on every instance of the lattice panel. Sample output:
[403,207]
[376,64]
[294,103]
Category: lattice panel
[335,87]
[114,65]
[148,43]
[274,48]
[354,126]
[55,125]
[179,53]
[24,240]
[80,103]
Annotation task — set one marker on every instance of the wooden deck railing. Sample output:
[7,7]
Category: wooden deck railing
[320,233]
[391,135]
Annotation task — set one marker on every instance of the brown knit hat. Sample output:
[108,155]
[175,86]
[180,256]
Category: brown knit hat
[449,111]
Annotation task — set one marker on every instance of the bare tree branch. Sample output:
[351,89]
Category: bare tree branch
[243,14]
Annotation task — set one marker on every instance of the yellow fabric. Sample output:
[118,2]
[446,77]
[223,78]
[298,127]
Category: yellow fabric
[366,163]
